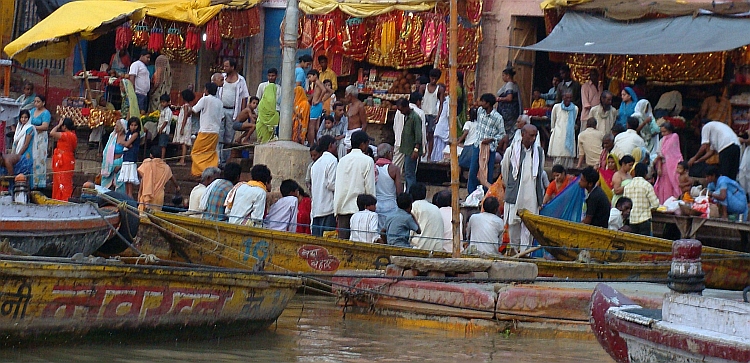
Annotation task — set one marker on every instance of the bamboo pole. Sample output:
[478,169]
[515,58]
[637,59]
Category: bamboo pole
[452,112]
[87,94]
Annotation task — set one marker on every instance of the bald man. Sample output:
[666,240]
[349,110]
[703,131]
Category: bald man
[522,171]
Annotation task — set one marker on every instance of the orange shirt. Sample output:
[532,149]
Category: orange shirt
[552,188]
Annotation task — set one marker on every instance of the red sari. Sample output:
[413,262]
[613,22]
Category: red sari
[63,165]
[303,215]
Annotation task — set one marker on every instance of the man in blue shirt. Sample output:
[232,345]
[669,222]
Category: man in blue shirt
[399,224]
[300,73]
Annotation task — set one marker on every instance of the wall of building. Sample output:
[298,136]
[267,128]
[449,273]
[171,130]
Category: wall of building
[497,23]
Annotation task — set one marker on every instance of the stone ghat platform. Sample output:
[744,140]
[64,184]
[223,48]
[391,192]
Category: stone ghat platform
[540,309]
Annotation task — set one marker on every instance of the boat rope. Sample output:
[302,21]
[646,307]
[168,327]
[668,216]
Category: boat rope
[119,235]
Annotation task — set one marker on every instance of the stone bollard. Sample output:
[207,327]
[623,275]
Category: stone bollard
[20,190]
[686,274]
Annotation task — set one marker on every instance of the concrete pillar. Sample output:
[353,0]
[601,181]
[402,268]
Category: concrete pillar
[288,55]
[286,159]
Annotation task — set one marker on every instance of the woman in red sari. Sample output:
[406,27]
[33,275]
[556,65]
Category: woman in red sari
[304,207]
[63,159]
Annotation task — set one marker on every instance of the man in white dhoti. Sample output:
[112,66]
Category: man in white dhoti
[562,141]
[522,171]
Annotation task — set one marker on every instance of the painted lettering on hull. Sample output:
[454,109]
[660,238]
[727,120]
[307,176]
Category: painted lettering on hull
[318,258]
[140,302]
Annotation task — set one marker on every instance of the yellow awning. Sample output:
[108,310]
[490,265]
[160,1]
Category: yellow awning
[364,8]
[196,12]
[56,35]
[551,4]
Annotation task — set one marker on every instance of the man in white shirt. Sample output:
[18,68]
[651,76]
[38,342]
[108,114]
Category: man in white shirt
[415,103]
[485,229]
[233,95]
[589,145]
[626,141]
[282,215]
[141,79]
[604,113]
[323,180]
[203,154]
[429,219]
[718,137]
[246,202]
[443,201]
[272,74]
[670,104]
[355,175]
[208,177]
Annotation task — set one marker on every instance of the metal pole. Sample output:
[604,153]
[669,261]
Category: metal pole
[289,53]
[452,112]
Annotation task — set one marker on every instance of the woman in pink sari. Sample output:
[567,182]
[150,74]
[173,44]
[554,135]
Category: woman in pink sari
[667,183]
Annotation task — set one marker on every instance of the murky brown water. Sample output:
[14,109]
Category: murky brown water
[317,333]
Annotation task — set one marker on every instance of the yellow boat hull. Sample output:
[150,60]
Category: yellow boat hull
[248,247]
[62,301]
[724,269]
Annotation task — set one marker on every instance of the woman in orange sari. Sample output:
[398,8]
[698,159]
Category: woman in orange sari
[301,116]
[63,159]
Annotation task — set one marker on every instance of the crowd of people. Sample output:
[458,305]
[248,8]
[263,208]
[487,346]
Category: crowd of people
[629,158]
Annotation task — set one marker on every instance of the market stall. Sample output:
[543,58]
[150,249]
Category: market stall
[383,47]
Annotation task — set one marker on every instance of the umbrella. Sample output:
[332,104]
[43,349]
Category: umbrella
[56,35]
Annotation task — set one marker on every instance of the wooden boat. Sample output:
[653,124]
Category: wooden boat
[60,229]
[58,300]
[724,269]
[688,328]
[229,245]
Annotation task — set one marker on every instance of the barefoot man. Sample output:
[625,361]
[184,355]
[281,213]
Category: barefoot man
[355,114]
[319,93]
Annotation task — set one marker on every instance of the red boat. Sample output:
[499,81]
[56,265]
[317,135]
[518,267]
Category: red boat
[688,328]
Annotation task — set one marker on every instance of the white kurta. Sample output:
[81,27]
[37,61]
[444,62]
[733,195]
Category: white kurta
[559,127]
[520,236]
[431,222]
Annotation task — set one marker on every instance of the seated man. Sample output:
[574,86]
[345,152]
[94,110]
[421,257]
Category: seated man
[485,229]
[399,224]
[560,180]
[725,192]
[246,120]
[282,215]
[246,202]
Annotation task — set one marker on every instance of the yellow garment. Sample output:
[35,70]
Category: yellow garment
[330,75]
[155,173]
[539,103]
[301,116]
[605,188]
[551,4]
[363,8]
[204,153]
[55,36]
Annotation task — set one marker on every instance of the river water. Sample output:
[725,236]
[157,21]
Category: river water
[312,330]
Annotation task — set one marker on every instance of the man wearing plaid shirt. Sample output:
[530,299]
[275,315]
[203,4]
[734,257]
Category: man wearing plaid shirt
[490,130]
[641,192]
[212,203]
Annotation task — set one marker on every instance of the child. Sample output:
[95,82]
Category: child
[399,224]
[154,173]
[537,100]
[282,216]
[328,128]
[246,120]
[331,100]
[165,121]
[686,182]
[619,214]
[485,229]
[364,224]
[131,147]
[182,134]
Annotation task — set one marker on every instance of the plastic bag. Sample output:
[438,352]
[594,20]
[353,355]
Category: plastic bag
[672,204]
[475,197]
